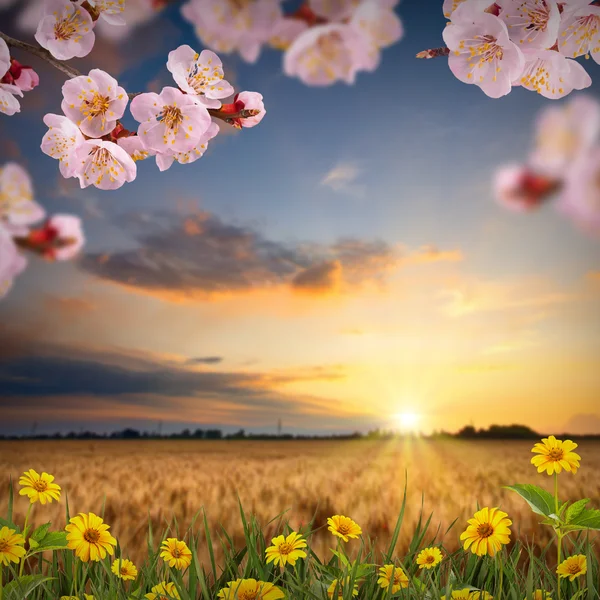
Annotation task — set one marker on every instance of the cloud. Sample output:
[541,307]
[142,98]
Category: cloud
[343,178]
[320,278]
[432,254]
[583,424]
[204,360]
[69,307]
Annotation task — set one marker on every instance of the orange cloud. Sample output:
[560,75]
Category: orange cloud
[431,254]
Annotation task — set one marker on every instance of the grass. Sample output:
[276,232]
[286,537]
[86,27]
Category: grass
[189,490]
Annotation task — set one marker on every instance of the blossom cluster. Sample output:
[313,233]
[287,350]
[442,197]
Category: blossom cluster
[59,238]
[564,161]
[325,41]
[92,145]
[528,43]
[16,79]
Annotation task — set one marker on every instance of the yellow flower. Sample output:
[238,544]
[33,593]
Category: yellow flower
[250,589]
[469,595]
[286,549]
[124,569]
[343,527]
[487,531]
[88,536]
[38,487]
[429,558]
[11,546]
[331,589]
[163,591]
[176,553]
[86,596]
[572,567]
[555,455]
[390,574]
[540,595]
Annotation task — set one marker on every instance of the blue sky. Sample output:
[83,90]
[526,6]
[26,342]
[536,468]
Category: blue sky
[418,150]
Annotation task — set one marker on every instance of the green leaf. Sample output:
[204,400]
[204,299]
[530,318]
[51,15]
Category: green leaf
[8,523]
[54,540]
[576,509]
[23,586]
[540,501]
[39,534]
[419,585]
[33,544]
[588,519]
[341,556]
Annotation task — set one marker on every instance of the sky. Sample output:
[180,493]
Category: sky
[338,266]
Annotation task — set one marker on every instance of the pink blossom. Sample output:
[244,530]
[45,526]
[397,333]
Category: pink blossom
[12,262]
[565,132]
[520,189]
[378,22]
[579,32]
[67,236]
[532,24]
[134,146]
[285,31]
[170,120]
[104,165]
[250,100]
[199,75]
[17,206]
[136,14]
[453,8]
[27,80]
[66,30]
[165,160]
[110,10]
[550,74]
[231,25]
[4,58]
[94,102]
[481,52]
[9,105]
[325,54]
[61,141]
[335,10]
[581,195]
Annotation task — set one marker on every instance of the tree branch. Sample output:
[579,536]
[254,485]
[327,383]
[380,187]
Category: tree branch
[434,52]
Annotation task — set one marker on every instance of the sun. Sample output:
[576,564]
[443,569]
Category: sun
[408,420]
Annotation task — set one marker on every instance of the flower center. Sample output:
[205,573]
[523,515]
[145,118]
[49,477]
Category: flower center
[344,529]
[430,559]
[574,568]
[285,548]
[40,485]
[92,536]
[175,553]
[97,106]
[485,530]
[537,16]
[248,595]
[329,46]
[66,28]
[556,454]
[487,49]
[3,546]
[172,117]
[123,571]
[397,576]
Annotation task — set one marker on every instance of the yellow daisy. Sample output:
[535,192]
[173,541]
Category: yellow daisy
[163,591]
[286,549]
[340,586]
[11,546]
[343,527]
[86,597]
[250,589]
[555,455]
[124,569]
[487,531]
[394,576]
[540,595]
[469,595]
[176,553]
[572,567]
[429,558]
[88,536]
[38,487]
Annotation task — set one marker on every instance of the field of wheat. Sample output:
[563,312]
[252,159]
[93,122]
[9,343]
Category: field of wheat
[137,480]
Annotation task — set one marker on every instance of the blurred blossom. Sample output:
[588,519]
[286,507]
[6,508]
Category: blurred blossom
[61,141]
[335,10]
[520,189]
[110,11]
[4,57]
[285,31]
[17,206]
[230,26]
[563,133]
[12,263]
[67,231]
[9,105]
[65,30]
[104,165]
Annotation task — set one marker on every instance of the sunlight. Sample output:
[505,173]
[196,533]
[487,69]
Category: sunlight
[408,421]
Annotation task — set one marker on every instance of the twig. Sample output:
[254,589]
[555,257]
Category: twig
[434,52]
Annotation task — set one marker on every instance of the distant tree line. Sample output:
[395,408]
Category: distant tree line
[494,432]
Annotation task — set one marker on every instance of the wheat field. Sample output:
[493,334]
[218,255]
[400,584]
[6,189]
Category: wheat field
[137,480]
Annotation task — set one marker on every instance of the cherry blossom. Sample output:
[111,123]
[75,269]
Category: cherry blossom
[481,52]
[4,57]
[531,23]
[60,238]
[27,79]
[231,25]
[61,141]
[94,102]
[170,119]
[325,54]
[134,146]
[579,32]
[520,189]
[552,75]
[65,30]
[18,209]
[581,196]
[285,31]
[110,10]
[104,165]
[199,75]
[9,105]
[165,160]
[563,133]
[12,263]
[338,10]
